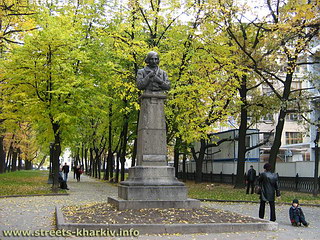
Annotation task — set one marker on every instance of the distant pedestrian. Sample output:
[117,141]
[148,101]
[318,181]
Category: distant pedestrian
[296,214]
[62,182]
[65,170]
[250,180]
[269,188]
[74,171]
[78,172]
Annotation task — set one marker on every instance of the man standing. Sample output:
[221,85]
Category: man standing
[251,178]
[269,188]
[65,170]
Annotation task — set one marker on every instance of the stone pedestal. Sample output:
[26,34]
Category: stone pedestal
[152,184]
[152,140]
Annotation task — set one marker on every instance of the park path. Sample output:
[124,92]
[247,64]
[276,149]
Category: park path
[35,213]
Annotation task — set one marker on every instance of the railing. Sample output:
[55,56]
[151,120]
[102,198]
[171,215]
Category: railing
[298,184]
[210,177]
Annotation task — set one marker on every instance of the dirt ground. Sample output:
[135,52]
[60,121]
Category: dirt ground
[107,214]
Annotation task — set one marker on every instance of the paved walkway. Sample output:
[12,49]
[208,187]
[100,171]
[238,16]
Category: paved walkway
[37,213]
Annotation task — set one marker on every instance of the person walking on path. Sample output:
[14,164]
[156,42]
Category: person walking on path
[250,180]
[268,182]
[74,168]
[296,214]
[78,172]
[65,170]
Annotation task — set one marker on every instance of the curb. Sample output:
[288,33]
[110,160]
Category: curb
[225,201]
[36,195]
[244,201]
[119,229]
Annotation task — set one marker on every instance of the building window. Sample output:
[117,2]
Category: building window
[293,117]
[293,137]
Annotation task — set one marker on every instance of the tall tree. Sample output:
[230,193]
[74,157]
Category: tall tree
[295,25]
[13,24]
[43,74]
[247,38]
[291,26]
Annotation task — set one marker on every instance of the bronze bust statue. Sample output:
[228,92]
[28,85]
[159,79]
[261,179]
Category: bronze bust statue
[152,78]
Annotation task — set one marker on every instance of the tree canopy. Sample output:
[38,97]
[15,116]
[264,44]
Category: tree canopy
[68,70]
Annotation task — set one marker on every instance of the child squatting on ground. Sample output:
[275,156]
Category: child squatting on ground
[296,214]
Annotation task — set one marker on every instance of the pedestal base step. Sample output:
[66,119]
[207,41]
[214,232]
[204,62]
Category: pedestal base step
[147,193]
[122,204]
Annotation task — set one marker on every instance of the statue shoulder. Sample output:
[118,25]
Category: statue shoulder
[162,71]
[141,72]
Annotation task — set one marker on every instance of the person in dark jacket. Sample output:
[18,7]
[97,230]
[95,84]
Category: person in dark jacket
[62,182]
[78,173]
[65,170]
[74,171]
[268,182]
[296,214]
[251,178]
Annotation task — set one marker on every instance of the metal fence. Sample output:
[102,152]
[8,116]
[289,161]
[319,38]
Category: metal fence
[297,184]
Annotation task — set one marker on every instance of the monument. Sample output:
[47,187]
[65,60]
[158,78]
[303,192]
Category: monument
[152,184]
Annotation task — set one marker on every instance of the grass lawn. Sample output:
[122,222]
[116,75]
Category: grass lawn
[219,191]
[25,182]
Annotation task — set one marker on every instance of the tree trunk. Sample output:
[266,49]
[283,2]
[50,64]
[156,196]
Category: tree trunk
[97,163]
[56,154]
[27,165]
[9,155]
[282,115]
[77,157]
[199,160]
[19,160]
[14,160]
[2,156]
[42,161]
[123,150]
[277,140]
[108,171]
[134,152]
[116,180]
[184,159]
[110,165]
[242,135]
[82,155]
[176,155]
[86,159]
[50,177]
[112,170]
[316,163]
[91,163]
[99,167]
[8,158]
[103,163]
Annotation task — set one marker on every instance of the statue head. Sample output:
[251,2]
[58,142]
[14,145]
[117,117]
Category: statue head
[152,59]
